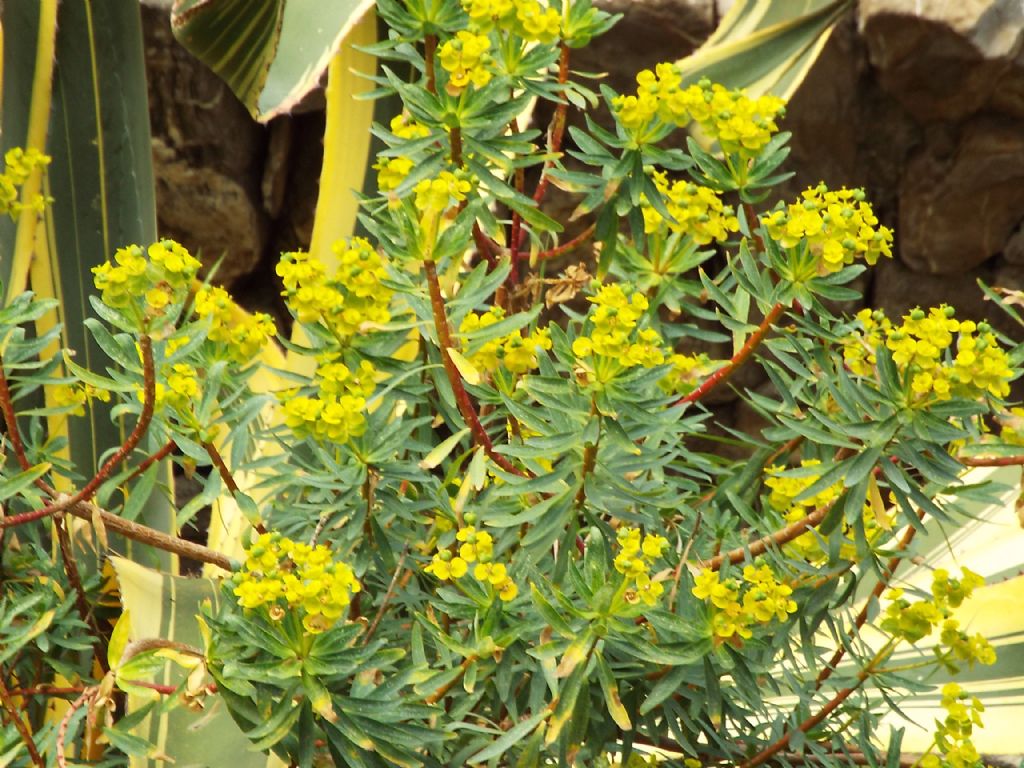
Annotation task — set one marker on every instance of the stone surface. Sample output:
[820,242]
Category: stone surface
[209,213]
[947,60]
[208,157]
[962,196]
[649,32]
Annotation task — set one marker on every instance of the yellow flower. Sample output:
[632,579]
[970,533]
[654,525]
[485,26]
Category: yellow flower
[508,590]
[465,59]
[305,578]
[697,211]
[445,567]
[838,227]
[492,573]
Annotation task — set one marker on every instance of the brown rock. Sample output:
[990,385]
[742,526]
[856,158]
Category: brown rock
[960,202]
[208,157]
[947,60]
[650,31]
[898,289]
[209,213]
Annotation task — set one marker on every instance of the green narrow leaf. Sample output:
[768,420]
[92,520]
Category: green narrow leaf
[511,737]
[610,688]
[13,486]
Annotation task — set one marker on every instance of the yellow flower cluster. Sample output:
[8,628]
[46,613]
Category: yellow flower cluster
[859,349]
[922,348]
[688,371]
[698,212]
[914,621]
[517,352]
[614,334]
[161,275]
[634,561]
[475,546]
[181,389]
[953,734]
[737,606]
[807,546]
[18,166]
[244,334]
[75,396]
[435,196]
[529,19]
[391,171]
[282,575]
[740,124]
[336,414]
[465,59]
[838,227]
[354,297]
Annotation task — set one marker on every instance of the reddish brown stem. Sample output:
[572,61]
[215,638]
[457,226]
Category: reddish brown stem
[776,539]
[13,433]
[567,246]
[148,398]
[166,690]
[738,359]
[48,690]
[439,694]
[149,461]
[784,450]
[23,731]
[484,246]
[557,130]
[444,338]
[815,719]
[991,461]
[67,554]
[862,616]
[222,468]
[429,49]
[149,393]
[752,223]
[455,138]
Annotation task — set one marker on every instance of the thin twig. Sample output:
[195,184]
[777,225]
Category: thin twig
[23,731]
[222,468]
[67,502]
[783,741]
[556,131]
[776,539]
[991,461]
[567,246]
[737,360]
[13,433]
[862,617]
[387,597]
[62,731]
[465,405]
[67,554]
[151,537]
[149,461]
[677,575]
